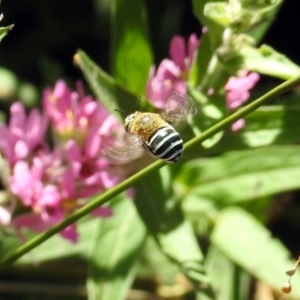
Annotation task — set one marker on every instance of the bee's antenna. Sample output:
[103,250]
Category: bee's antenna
[121,111]
[137,103]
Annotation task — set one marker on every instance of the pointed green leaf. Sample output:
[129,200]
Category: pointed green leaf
[268,61]
[131,51]
[4,31]
[241,176]
[118,242]
[106,89]
[248,243]
[272,125]
[264,60]
[165,221]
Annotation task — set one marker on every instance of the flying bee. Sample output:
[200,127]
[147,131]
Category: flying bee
[153,132]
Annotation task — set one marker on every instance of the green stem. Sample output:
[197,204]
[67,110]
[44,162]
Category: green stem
[105,197]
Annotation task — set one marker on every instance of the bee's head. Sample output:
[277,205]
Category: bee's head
[128,122]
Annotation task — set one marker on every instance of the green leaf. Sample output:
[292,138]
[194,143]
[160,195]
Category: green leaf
[248,243]
[270,125]
[268,61]
[240,176]
[106,89]
[118,242]
[165,221]
[4,31]
[264,60]
[131,51]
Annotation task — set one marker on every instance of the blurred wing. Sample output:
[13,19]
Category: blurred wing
[178,107]
[124,149]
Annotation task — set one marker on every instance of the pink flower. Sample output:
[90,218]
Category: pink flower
[52,184]
[237,92]
[172,73]
[52,190]
[72,114]
[44,198]
[27,183]
[89,127]
[93,174]
[23,134]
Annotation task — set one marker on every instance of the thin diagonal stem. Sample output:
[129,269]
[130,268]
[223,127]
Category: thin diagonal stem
[108,195]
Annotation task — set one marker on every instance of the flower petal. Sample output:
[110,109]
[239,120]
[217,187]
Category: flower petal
[17,119]
[21,150]
[178,51]
[239,124]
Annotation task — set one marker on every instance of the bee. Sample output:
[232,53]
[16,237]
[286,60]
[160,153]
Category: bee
[153,131]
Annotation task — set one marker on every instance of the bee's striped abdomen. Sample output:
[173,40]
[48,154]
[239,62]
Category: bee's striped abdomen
[166,144]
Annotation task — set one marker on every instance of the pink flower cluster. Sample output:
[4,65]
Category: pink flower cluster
[52,183]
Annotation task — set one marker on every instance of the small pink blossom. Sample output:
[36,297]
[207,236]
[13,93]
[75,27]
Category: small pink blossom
[72,114]
[93,173]
[173,73]
[23,134]
[237,88]
[26,182]
[239,124]
[237,92]
[44,198]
